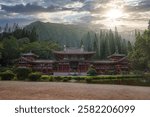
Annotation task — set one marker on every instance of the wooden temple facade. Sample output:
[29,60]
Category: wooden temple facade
[74,60]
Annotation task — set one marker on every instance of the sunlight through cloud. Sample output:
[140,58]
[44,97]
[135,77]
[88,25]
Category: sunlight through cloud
[114,14]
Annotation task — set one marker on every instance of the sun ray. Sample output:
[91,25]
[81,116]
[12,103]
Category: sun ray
[114,14]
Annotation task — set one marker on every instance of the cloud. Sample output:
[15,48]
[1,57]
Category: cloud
[69,17]
[44,6]
[139,8]
[75,11]
[74,5]
[30,8]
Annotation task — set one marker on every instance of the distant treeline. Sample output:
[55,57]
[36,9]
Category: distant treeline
[106,43]
[17,32]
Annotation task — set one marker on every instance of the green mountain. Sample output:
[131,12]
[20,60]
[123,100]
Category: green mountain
[69,35]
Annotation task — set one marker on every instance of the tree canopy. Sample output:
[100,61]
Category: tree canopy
[15,40]
[140,55]
[105,43]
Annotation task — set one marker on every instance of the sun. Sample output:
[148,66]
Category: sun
[114,14]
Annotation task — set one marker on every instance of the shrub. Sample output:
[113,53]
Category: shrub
[89,79]
[46,78]
[51,78]
[77,78]
[65,79]
[23,73]
[58,78]
[7,75]
[137,72]
[3,69]
[35,76]
[69,78]
[92,72]
[147,75]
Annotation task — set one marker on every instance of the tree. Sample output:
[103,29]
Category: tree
[149,25]
[105,43]
[112,41]
[140,56]
[81,43]
[106,46]
[6,28]
[41,48]
[33,36]
[124,48]
[10,50]
[95,46]
[88,42]
[129,46]
[0,53]
[22,73]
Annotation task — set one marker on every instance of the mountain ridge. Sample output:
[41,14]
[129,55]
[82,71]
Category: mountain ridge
[67,34]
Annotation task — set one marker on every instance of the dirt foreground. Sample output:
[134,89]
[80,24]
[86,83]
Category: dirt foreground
[76,91]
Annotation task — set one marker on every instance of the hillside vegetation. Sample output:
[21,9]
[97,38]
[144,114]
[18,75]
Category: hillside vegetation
[69,35]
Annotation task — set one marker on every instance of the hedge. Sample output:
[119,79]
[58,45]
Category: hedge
[35,76]
[7,75]
[58,78]
[46,78]
[147,75]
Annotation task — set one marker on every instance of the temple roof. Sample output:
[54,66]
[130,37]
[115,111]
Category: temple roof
[104,61]
[43,61]
[25,59]
[116,55]
[109,61]
[29,54]
[73,51]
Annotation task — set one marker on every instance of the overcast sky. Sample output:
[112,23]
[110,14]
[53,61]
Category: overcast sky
[124,14]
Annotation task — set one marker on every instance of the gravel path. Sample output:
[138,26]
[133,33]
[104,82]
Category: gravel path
[54,90]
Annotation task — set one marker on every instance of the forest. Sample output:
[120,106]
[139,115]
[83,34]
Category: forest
[15,40]
[139,56]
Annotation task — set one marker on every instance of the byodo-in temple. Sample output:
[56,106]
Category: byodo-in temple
[74,60]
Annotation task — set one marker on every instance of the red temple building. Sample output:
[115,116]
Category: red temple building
[74,60]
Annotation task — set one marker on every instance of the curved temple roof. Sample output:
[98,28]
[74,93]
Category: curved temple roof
[29,54]
[73,51]
[116,55]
